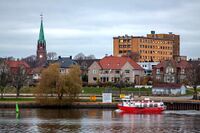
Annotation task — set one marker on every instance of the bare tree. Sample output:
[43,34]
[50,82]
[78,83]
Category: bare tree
[51,56]
[5,77]
[31,61]
[79,56]
[90,57]
[193,76]
[20,78]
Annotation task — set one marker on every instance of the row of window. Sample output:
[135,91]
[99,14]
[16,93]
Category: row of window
[113,79]
[156,47]
[124,51]
[155,41]
[124,46]
[109,71]
[124,40]
[155,52]
[155,58]
[170,70]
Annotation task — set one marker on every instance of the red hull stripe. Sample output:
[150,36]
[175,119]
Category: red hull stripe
[141,110]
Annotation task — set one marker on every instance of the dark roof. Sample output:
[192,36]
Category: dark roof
[66,62]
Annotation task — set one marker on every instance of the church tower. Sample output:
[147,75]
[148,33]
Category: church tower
[41,46]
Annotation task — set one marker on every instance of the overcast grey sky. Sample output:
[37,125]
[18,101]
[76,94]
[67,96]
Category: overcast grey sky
[73,26]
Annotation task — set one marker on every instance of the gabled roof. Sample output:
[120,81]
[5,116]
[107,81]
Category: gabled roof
[114,62]
[16,64]
[183,64]
[85,63]
[66,62]
[180,64]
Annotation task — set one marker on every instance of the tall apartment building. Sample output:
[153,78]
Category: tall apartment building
[153,47]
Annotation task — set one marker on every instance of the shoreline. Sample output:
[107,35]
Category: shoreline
[75,105]
[171,105]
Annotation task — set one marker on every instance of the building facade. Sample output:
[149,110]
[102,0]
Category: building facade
[171,71]
[41,54]
[169,89]
[148,67]
[153,47]
[115,69]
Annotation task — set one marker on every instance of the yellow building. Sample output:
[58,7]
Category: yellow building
[154,47]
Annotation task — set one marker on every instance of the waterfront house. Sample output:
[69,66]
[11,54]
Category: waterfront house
[170,71]
[65,64]
[114,69]
[169,89]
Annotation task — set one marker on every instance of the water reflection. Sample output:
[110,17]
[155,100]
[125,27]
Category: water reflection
[96,120]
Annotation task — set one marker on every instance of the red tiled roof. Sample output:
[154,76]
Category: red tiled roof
[114,62]
[15,64]
[181,64]
[168,85]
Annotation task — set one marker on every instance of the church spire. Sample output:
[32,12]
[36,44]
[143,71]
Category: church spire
[41,35]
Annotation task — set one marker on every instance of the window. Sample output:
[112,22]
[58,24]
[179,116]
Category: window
[127,71]
[158,78]
[117,71]
[95,71]
[169,70]
[127,79]
[95,78]
[157,71]
[182,71]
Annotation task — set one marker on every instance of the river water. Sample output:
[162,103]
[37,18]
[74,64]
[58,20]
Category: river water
[97,121]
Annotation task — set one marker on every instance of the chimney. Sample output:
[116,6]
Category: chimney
[70,57]
[153,32]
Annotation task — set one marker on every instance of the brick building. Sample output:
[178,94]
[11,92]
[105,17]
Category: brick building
[170,71]
[153,47]
[41,47]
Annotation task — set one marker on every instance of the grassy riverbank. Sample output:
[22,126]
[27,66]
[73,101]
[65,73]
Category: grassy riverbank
[17,99]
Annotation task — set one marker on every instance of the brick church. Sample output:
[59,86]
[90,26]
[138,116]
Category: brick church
[41,47]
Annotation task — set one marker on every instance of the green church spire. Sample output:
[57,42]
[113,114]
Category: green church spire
[41,35]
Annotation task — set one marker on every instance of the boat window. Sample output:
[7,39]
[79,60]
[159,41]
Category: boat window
[150,105]
[145,105]
[155,105]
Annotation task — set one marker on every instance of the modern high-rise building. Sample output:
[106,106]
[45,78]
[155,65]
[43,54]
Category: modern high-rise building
[153,47]
[41,46]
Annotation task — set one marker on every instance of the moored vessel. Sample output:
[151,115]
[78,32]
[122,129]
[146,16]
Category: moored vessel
[146,106]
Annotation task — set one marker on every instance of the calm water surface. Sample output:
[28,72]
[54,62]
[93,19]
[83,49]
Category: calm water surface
[97,120]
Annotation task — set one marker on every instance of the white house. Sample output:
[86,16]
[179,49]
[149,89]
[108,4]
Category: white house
[148,66]
[168,89]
